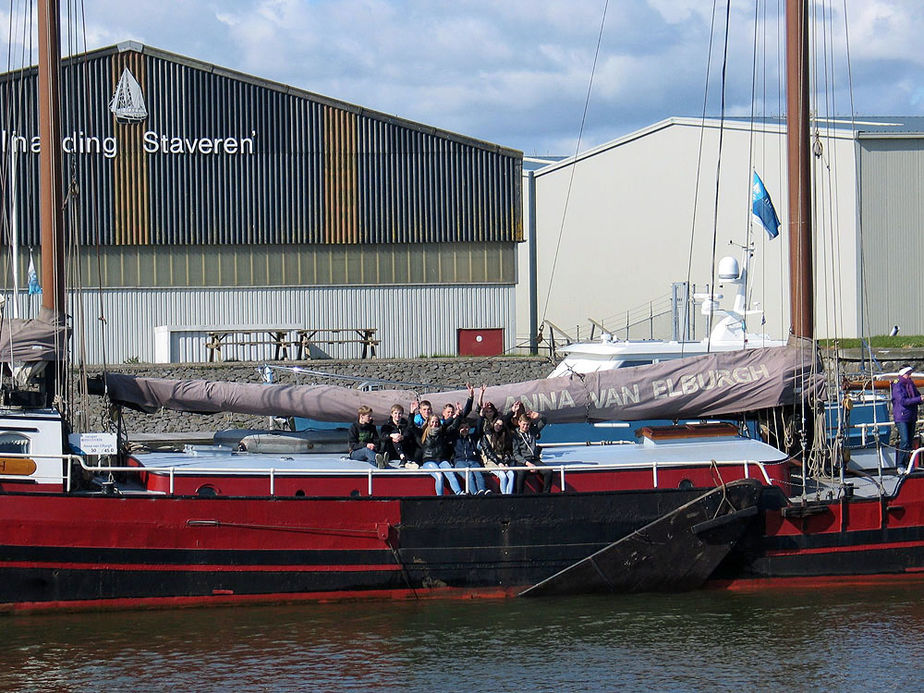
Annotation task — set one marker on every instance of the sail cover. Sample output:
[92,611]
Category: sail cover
[128,102]
[718,384]
[40,339]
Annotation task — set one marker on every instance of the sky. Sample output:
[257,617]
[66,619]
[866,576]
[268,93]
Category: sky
[528,74]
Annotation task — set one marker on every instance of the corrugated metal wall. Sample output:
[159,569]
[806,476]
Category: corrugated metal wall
[293,167]
[892,207]
[411,320]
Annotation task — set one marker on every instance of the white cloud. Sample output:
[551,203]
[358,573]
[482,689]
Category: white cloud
[515,72]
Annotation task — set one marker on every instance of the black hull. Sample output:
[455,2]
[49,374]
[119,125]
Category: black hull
[476,543]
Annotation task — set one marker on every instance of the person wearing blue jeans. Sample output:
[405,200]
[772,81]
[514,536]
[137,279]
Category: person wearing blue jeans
[432,443]
[905,401]
[363,439]
[466,455]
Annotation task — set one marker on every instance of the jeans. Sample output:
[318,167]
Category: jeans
[453,479]
[476,477]
[505,477]
[363,455]
[903,451]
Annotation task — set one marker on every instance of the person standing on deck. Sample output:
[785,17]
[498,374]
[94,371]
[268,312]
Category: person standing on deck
[905,401]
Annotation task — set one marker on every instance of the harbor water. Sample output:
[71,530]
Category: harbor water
[845,638]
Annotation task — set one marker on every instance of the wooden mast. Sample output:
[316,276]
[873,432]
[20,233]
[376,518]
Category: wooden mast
[801,295]
[51,179]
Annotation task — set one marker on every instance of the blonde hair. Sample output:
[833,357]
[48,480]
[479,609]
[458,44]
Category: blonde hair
[363,410]
[426,428]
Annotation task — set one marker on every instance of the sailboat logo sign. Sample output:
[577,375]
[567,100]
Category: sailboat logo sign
[127,102]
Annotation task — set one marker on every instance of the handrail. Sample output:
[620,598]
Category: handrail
[912,463]
[63,457]
[372,472]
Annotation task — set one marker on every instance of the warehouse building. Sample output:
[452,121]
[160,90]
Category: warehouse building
[620,226]
[215,209]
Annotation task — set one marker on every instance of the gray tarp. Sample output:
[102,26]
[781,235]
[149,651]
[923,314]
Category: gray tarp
[711,385]
[41,339]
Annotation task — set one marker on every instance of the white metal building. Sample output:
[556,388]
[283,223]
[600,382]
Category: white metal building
[643,208]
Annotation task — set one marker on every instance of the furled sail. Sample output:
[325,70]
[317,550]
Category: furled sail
[40,339]
[715,384]
[128,102]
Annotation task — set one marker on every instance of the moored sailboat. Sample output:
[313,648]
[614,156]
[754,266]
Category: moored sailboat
[87,527]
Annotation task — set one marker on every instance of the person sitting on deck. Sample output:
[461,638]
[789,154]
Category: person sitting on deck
[397,443]
[466,456]
[453,416]
[363,439]
[495,449]
[905,401]
[526,450]
[487,414]
[432,442]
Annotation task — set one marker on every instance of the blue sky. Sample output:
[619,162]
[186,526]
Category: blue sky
[516,72]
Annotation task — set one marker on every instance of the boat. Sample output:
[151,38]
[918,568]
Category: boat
[91,525]
[729,334]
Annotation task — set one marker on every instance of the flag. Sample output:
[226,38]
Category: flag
[762,207]
[34,286]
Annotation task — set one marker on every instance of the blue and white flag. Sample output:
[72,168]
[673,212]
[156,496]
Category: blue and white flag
[762,207]
[34,286]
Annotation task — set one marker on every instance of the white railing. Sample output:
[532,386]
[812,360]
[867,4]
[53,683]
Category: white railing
[372,473]
[67,462]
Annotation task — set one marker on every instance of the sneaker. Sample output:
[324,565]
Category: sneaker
[380,461]
[480,493]
[487,491]
[411,465]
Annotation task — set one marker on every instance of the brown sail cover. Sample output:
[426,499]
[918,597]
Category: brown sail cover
[41,339]
[711,385]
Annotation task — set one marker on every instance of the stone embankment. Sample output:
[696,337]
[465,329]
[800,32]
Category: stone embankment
[428,373]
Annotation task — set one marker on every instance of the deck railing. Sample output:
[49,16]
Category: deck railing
[372,473]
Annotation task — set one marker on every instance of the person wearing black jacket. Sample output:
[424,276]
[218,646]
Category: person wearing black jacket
[432,442]
[526,450]
[363,439]
[465,455]
[397,443]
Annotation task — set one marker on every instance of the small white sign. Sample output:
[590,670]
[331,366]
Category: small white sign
[93,443]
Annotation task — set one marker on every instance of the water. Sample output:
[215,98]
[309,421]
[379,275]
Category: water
[841,639]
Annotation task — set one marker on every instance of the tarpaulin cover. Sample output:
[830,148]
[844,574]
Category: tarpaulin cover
[718,384]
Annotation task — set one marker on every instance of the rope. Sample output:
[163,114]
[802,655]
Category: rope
[577,149]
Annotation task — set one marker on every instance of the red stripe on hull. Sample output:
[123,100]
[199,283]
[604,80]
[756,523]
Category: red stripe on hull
[910,577]
[210,568]
[224,599]
[879,546]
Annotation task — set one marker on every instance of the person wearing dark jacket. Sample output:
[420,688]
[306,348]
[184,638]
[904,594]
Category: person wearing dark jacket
[526,451]
[432,443]
[453,417]
[465,455]
[495,449]
[905,401]
[397,443]
[363,439]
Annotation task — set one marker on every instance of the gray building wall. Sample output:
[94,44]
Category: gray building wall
[411,321]
[644,213]
[892,232]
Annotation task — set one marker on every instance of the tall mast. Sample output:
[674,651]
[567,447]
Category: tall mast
[51,192]
[801,298]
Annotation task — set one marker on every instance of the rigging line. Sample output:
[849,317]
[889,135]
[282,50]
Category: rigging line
[718,163]
[699,165]
[577,149]
[748,207]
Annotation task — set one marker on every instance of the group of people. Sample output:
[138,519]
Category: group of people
[452,440]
